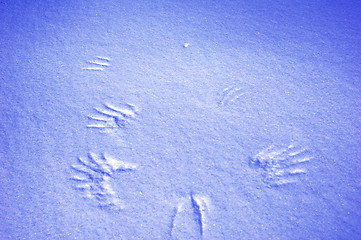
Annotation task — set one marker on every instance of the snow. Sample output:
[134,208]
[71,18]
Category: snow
[180,120]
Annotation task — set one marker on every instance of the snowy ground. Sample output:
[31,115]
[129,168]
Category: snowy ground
[180,120]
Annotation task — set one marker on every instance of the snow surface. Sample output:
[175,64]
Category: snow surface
[180,119]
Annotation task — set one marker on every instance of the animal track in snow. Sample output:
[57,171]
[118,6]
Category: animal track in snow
[195,209]
[281,165]
[229,95]
[200,205]
[99,64]
[111,117]
[93,177]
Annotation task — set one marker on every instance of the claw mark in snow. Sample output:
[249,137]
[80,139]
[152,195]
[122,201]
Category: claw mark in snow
[281,165]
[229,95]
[98,64]
[173,217]
[93,177]
[110,117]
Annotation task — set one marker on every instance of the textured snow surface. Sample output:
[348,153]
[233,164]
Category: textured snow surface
[180,119]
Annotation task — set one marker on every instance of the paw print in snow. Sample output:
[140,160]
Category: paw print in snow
[281,165]
[93,177]
[111,117]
